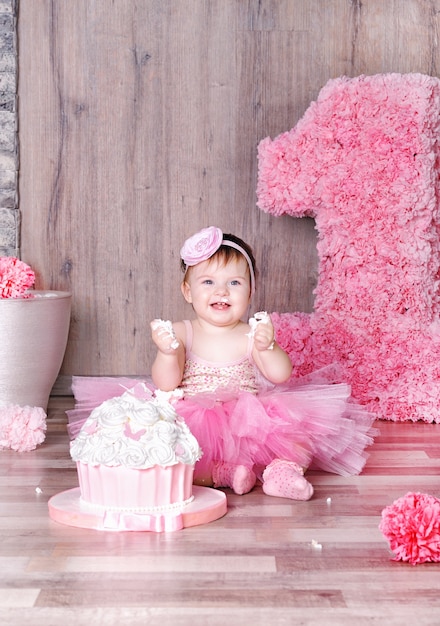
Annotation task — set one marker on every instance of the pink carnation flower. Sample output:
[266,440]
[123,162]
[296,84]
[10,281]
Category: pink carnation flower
[15,278]
[201,246]
[412,527]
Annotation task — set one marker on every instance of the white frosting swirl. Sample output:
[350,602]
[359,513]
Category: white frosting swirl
[136,433]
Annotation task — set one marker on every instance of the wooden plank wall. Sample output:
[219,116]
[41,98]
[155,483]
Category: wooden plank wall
[138,124]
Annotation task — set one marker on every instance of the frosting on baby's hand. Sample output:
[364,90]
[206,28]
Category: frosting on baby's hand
[262,317]
[169,396]
[259,318]
[165,327]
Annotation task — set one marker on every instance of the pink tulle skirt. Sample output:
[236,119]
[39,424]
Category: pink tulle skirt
[316,425]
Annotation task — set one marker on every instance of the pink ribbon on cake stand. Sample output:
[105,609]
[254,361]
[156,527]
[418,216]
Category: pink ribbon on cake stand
[114,520]
[68,508]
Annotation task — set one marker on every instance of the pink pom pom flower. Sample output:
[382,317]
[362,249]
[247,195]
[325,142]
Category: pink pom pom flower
[412,527]
[22,428]
[16,278]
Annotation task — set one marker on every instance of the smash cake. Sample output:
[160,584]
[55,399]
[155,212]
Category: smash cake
[135,455]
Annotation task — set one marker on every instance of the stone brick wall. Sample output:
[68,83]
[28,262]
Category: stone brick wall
[9,212]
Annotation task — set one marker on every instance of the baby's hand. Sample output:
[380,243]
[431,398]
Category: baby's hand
[163,335]
[262,331]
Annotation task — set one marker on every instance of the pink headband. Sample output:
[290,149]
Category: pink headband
[201,246]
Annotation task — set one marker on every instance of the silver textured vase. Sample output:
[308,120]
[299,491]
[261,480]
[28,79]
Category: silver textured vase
[33,339]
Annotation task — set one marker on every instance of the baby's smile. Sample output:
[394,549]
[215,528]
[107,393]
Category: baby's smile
[223,303]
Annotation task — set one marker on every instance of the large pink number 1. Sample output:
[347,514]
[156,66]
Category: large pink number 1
[364,162]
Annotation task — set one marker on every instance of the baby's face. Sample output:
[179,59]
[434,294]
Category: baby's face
[219,292]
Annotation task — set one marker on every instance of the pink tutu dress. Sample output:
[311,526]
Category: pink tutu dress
[238,417]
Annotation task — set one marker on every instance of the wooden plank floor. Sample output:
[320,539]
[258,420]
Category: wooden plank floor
[257,565]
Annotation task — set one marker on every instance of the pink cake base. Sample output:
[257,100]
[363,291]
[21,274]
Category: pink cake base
[68,508]
[123,487]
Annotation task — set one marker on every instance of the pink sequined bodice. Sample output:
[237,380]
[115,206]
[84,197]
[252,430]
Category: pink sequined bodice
[202,376]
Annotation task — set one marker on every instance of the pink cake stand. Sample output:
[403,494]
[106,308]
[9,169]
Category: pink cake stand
[68,508]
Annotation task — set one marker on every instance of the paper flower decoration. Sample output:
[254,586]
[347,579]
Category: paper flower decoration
[412,527]
[15,278]
[363,162]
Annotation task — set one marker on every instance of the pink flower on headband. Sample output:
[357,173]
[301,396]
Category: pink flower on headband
[201,246]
